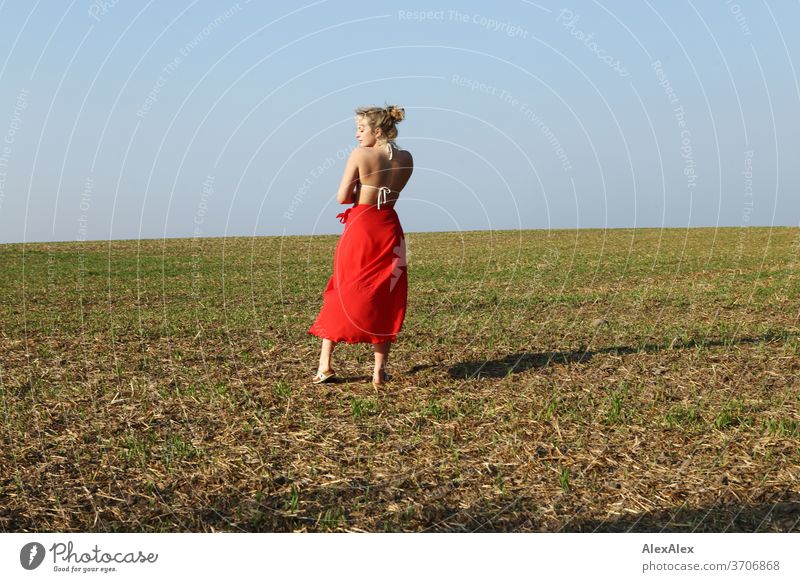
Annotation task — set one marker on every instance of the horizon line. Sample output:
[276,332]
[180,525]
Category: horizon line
[554,230]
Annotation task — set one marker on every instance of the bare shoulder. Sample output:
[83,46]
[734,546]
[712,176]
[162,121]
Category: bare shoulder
[357,153]
[407,161]
[406,156]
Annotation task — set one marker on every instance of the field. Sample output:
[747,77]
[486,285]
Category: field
[620,380]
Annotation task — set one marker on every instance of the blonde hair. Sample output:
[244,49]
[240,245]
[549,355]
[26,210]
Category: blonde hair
[385,118]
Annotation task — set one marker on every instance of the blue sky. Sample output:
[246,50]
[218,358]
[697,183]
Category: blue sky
[126,120]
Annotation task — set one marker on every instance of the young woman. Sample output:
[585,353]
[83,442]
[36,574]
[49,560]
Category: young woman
[365,299]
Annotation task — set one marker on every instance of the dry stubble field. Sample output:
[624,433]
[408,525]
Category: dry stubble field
[620,380]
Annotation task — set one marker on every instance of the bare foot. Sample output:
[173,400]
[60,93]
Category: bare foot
[380,377]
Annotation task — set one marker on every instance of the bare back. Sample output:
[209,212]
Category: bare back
[376,170]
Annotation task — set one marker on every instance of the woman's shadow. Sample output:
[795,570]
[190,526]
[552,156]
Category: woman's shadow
[522,361]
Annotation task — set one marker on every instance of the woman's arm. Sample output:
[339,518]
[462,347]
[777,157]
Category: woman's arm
[347,186]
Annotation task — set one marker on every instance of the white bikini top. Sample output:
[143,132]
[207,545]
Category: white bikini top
[383,191]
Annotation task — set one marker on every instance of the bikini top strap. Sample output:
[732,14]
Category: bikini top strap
[383,193]
[392,148]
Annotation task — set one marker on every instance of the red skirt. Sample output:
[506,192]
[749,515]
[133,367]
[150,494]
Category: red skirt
[365,298]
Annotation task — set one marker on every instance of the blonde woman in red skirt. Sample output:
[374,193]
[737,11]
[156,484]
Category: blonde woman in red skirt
[365,298]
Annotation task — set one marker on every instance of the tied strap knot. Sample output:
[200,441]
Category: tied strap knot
[383,194]
[342,216]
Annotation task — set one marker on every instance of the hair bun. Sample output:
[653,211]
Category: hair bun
[397,113]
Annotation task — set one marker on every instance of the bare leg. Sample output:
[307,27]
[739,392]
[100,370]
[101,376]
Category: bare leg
[381,359]
[325,355]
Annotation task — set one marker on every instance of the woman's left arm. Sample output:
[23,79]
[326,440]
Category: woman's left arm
[347,186]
